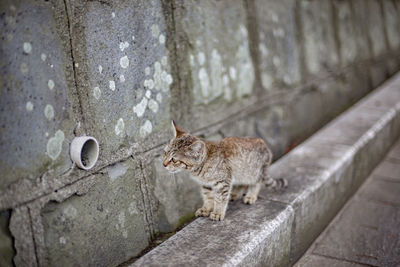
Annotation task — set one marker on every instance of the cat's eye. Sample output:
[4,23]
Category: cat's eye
[174,160]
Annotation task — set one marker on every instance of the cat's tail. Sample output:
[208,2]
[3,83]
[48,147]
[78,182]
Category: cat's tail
[276,183]
[268,180]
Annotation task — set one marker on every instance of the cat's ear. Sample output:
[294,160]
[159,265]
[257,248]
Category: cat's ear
[197,150]
[177,130]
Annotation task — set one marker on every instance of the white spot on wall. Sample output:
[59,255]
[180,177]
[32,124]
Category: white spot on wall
[155,30]
[133,38]
[153,105]
[204,82]
[279,32]
[287,79]
[164,61]
[232,73]
[149,83]
[119,127]
[192,60]
[125,233]
[54,145]
[70,211]
[51,66]
[112,85]
[161,80]
[27,47]
[76,65]
[201,58]
[161,39]
[24,68]
[216,69]
[147,70]
[29,106]
[100,69]
[225,79]
[159,97]
[116,170]
[62,240]
[140,108]
[96,92]
[49,112]
[145,129]
[46,134]
[43,56]
[148,94]
[123,45]
[274,17]
[124,62]
[121,78]
[169,79]
[266,80]
[245,70]
[276,60]
[263,49]
[112,14]
[132,209]
[50,84]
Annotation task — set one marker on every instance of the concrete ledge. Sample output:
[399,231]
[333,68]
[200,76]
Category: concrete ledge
[323,173]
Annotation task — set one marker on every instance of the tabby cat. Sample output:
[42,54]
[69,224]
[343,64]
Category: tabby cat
[227,169]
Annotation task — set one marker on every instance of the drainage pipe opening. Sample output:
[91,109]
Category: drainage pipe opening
[85,151]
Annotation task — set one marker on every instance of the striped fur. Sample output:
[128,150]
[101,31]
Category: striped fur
[229,169]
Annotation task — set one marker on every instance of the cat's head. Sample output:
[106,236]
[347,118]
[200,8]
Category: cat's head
[184,151]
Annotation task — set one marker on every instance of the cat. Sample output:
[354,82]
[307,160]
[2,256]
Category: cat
[227,169]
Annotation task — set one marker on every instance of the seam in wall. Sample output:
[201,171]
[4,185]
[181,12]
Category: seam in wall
[80,111]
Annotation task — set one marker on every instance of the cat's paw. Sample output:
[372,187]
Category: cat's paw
[249,199]
[202,212]
[216,216]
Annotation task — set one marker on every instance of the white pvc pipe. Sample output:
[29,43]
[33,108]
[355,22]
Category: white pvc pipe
[84,151]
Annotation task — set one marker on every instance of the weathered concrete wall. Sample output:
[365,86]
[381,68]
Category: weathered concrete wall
[121,70]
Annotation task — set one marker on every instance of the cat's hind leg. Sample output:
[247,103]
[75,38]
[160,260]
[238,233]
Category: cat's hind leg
[252,193]
[208,202]
[238,191]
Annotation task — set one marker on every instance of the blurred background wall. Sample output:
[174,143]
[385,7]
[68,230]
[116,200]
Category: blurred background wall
[121,70]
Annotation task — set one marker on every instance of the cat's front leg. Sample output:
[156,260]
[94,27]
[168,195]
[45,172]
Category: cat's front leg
[208,202]
[222,190]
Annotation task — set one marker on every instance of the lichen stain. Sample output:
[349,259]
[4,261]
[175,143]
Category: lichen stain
[162,79]
[29,106]
[54,145]
[153,105]
[155,30]
[24,68]
[49,112]
[140,108]
[161,39]
[119,127]
[50,84]
[27,48]
[132,209]
[204,82]
[146,129]
[124,62]
[96,92]
[159,97]
[112,85]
